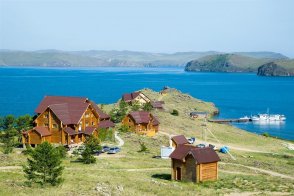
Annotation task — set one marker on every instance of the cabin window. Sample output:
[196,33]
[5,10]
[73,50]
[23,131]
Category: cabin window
[46,124]
[46,116]
[129,120]
[87,115]
[54,125]
[93,123]
[87,124]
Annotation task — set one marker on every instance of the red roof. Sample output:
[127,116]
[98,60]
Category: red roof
[89,130]
[143,117]
[50,100]
[70,131]
[106,124]
[43,131]
[157,104]
[180,139]
[130,96]
[201,155]
[69,109]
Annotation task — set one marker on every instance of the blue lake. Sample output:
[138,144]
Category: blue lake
[235,94]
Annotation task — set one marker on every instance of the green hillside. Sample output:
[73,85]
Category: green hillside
[234,63]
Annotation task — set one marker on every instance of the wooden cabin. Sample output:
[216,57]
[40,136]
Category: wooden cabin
[142,122]
[66,120]
[133,97]
[179,140]
[189,163]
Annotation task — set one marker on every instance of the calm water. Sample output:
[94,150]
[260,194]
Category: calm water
[236,95]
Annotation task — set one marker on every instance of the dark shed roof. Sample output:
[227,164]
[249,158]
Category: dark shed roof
[106,124]
[201,155]
[157,104]
[180,139]
[89,130]
[70,131]
[43,131]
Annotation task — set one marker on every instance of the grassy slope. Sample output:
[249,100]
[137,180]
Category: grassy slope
[237,62]
[140,174]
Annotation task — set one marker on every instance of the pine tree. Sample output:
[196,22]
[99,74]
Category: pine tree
[44,166]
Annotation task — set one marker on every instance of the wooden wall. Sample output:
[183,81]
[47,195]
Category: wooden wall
[192,172]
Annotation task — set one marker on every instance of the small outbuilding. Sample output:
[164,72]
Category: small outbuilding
[179,140]
[198,114]
[194,164]
[157,105]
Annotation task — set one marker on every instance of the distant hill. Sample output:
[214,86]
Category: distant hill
[112,58]
[96,58]
[243,63]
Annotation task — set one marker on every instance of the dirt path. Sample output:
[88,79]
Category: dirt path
[120,141]
[261,170]
[10,167]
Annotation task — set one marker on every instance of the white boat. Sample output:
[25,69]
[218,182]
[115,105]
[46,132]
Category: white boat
[267,117]
[245,118]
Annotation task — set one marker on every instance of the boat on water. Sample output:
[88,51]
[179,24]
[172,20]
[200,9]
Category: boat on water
[268,117]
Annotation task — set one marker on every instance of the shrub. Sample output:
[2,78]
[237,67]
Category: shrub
[87,157]
[147,107]
[143,147]
[175,112]
[106,134]
[124,129]
[61,151]
[44,166]
[265,134]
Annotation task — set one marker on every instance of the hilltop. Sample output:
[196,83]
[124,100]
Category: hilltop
[236,63]
[95,58]
[262,165]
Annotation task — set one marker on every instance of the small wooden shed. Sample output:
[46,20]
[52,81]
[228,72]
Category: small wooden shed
[189,163]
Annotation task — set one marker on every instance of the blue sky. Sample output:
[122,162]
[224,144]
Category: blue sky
[152,26]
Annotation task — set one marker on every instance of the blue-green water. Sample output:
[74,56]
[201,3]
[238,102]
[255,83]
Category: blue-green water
[235,94]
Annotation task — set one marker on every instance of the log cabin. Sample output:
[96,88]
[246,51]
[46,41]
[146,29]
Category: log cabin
[133,97]
[189,163]
[141,122]
[66,120]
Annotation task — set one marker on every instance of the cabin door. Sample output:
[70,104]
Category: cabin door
[178,173]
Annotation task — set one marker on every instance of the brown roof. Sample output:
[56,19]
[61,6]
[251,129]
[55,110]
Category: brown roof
[69,113]
[201,155]
[101,114]
[143,117]
[130,96]
[89,130]
[70,131]
[50,100]
[157,104]
[43,131]
[68,109]
[180,139]
[106,124]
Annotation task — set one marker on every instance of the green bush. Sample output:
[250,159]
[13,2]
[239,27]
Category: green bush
[265,134]
[106,135]
[124,129]
[61,151]
[175,112]
[143,147]
[147,107]
[87,157]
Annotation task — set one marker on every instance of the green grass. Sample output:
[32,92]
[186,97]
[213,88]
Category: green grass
[137,173]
